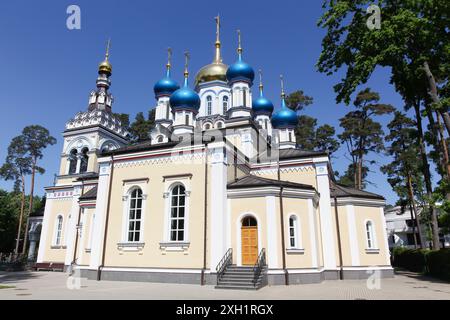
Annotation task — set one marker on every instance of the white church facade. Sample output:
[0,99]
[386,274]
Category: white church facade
[220,194]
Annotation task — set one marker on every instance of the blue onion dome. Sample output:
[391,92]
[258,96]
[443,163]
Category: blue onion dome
[185,98]
[240,71]
[166,86]
[284,117]
[262,105]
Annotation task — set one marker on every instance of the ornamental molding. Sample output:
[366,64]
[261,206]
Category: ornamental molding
[176,159]
[273,170]
[97,117]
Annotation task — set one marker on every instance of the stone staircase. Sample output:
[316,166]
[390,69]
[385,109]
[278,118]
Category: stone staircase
[241,278]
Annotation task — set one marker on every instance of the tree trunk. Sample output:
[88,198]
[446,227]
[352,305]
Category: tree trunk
[416,217]
[427,175]
[434,94]
[360,164]
[436,141]
[444,145]
[22,208]
[30,207]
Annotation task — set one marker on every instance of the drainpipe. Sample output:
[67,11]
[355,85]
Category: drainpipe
[107,219]
[76,235]
[341,268]
[205,231]
[283,245]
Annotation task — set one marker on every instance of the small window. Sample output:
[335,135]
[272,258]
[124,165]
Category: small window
[370,235]
[293,240]
[244,93]
[207,126]
[187,120]
[84,160]
[58,233]
[290,136]
[73,159]
[135,216]
[225,105]
[177,213]
[167,110]
[266,124]
[209,104]
[219,125]
[160,139]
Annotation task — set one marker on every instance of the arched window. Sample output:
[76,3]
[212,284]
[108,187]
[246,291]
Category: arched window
[73,161]
[177,213]
[160,139]
[135,215]
[219,125]
[249,222]
[209,105]
[225,104]
[207,126]
[58,230]
[293,232]
[370,234]
[84,160]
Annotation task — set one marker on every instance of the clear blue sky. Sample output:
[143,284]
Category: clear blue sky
[48,71]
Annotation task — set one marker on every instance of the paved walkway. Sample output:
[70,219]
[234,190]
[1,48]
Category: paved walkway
[42,285]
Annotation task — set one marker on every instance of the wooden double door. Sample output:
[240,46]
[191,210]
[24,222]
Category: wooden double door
[249,241]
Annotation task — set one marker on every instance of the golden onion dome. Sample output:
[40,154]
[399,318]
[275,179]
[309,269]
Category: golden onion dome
[212,72]
[105,67]
[216,70]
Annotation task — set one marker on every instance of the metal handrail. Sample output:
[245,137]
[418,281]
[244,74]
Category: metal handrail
[259,265]
[224,263]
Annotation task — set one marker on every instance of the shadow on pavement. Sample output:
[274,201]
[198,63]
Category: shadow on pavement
[17,277]
[419,276]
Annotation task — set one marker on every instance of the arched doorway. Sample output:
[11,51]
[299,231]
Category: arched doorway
[249,241]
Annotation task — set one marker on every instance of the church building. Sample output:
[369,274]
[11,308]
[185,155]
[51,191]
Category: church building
[220,194]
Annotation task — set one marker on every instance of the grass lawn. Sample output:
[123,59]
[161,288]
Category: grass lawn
[6,287]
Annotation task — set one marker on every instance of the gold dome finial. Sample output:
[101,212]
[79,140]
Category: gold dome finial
[186,63]
[260,81]
[105,66]
[283,94]
[108,45]
[169,58]
[239,50]
[218,58]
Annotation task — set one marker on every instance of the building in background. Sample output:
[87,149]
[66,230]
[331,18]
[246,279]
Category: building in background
[401,227]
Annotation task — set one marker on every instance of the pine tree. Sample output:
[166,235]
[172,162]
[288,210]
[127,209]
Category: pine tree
[362,134]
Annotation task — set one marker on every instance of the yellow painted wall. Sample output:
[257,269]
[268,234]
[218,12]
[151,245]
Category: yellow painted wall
[152,255]
[361,215]
[59,207]
[298,207]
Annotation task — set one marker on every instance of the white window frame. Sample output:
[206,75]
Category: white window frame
[209,105]
[225,100]
[294,227]
[166,244]
[370,235]
[135,219]
[58,230]
[298,248]
[128,188]
[178,218]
